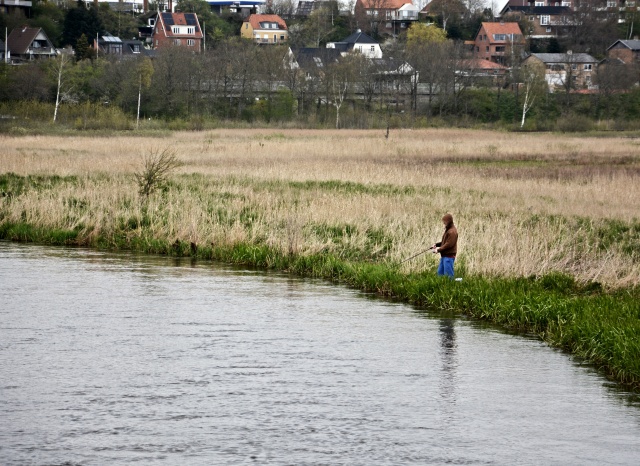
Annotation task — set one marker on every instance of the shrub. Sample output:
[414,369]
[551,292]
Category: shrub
[574,123]
[158,165]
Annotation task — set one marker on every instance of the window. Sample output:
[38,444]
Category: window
[612,4]
[136,48]
[282,37]
[500,48]
[545,20]
[548,29]
[539,3]
[191,42]
[588,66]
[191,30]
[177,41]
[373,48]
[246,25]
[574,66]
[175,30]
[487,49]
[499,37]
[565,4]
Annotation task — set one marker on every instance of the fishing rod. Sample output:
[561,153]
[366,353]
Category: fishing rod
[416,255]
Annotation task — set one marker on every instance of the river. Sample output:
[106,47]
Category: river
[112,358]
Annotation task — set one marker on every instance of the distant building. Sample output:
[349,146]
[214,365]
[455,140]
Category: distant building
[176,30]
[554,19]
[387,16]
[242,7]
[496,41]
[265,29]
[627,51]
[13,6]
[112,45]
[26,44]
[571,71]
[358,42]
[313,61]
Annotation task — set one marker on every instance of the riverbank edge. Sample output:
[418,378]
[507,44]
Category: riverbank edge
[599,327]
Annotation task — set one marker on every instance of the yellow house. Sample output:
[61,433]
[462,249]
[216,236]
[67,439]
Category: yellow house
[265,29]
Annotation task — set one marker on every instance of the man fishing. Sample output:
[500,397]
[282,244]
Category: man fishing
[448,247]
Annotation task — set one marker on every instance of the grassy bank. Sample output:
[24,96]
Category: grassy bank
[550,237]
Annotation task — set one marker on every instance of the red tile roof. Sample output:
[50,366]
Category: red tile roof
[383,4]
[501,28]
[255,21]
[482,64]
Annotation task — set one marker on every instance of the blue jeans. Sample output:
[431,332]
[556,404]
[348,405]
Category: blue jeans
[445,267]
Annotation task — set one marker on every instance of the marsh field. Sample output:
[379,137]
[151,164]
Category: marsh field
[549,223]
[525,204]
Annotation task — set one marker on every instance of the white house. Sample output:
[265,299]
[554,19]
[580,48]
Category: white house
[358,42]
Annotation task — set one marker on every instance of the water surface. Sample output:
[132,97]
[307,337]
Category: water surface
[116,358]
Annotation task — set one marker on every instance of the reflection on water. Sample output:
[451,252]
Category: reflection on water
[114,358]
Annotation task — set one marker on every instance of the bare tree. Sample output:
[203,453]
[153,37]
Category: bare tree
[533,86]
[341,78]
[60,68]
[271,61]
[145,71]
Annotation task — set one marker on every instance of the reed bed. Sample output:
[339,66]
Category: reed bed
[525,204]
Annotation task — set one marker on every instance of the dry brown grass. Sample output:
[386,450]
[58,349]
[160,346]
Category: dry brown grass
[505,190]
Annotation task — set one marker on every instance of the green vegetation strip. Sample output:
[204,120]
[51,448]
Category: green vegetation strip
[602,328]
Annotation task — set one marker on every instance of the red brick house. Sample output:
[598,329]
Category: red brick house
[627,51]
[385,16]
[496,42]
[177,29]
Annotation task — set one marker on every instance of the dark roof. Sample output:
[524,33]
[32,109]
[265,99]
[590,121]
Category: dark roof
[21,38]
[305,8]
[537,10]
[315,58]
[358,38]
[565,58]
[391,65]
[630,44]
[342,46]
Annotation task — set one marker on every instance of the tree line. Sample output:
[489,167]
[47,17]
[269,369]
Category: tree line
[424,79]
[420,83]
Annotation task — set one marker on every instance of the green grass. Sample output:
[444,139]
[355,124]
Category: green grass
[13,185]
